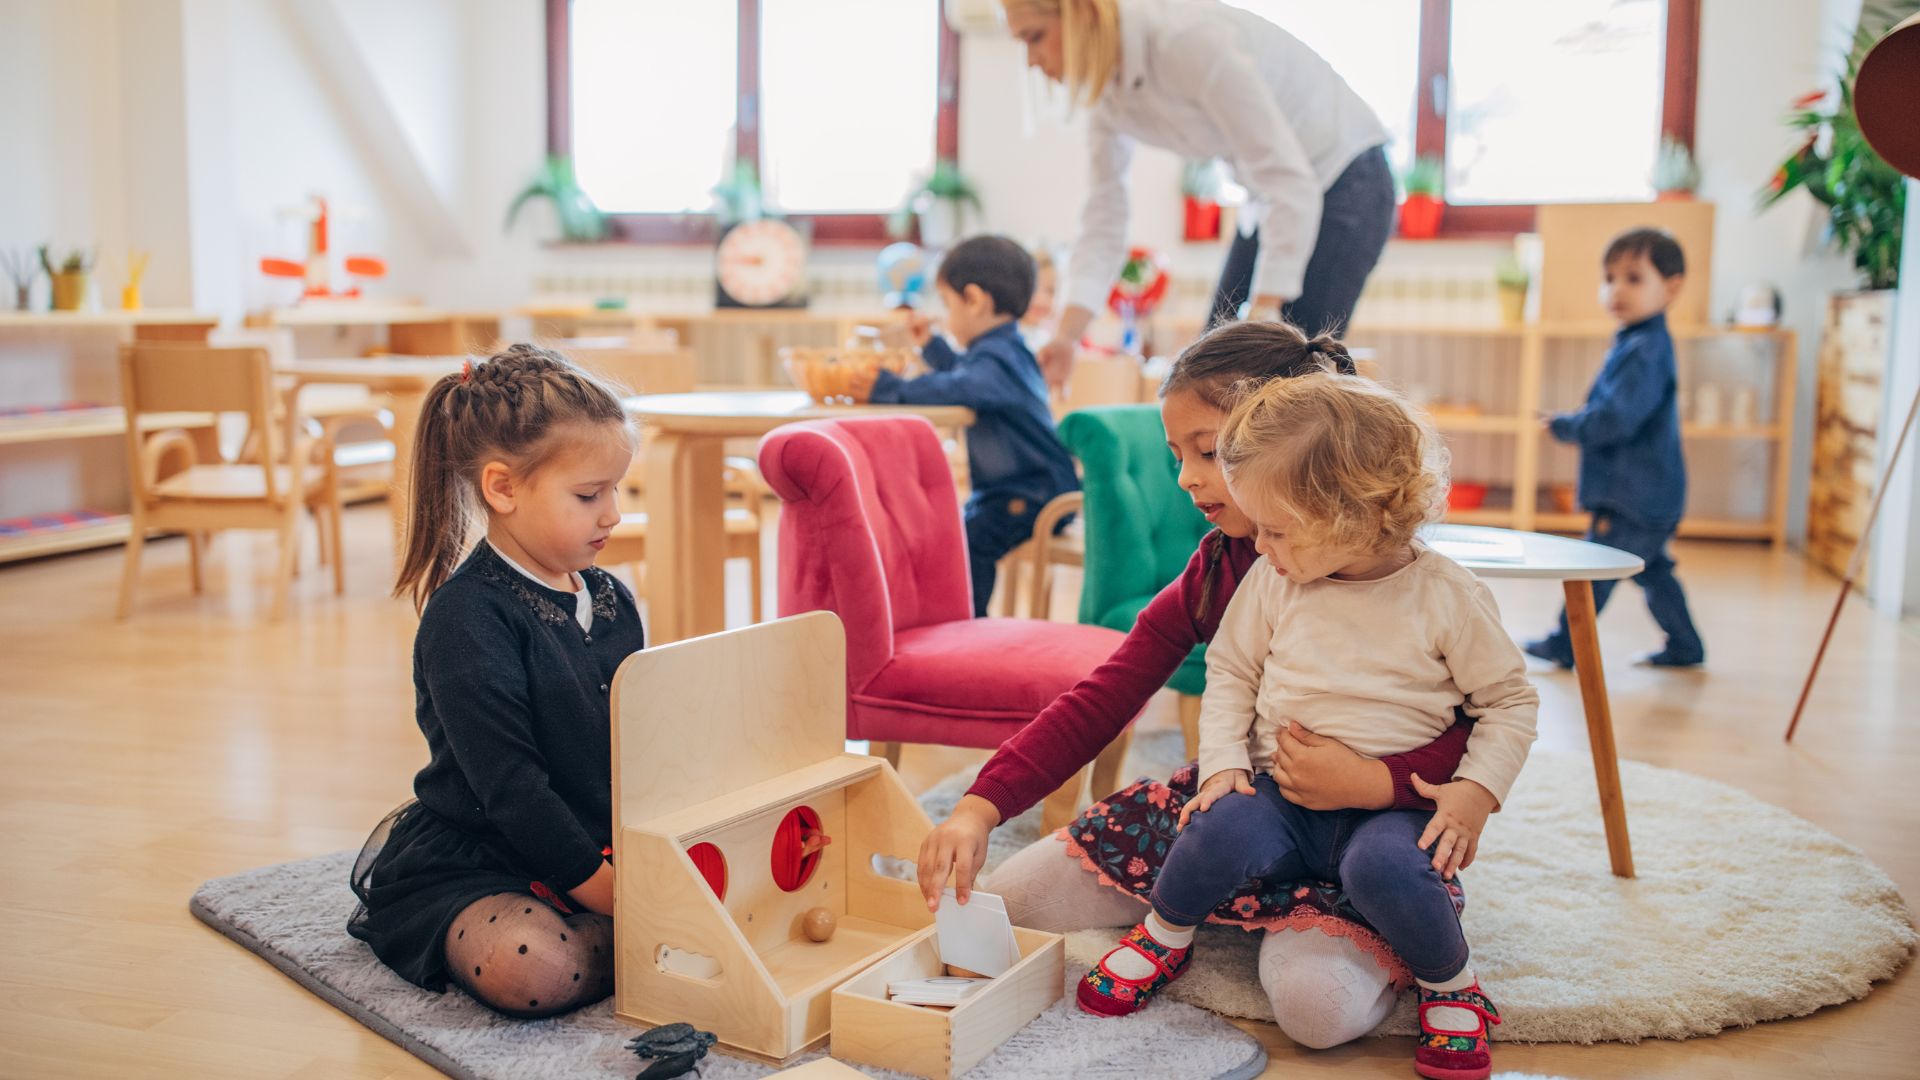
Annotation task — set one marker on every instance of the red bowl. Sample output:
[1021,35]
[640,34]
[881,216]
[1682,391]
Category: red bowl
[1466,496]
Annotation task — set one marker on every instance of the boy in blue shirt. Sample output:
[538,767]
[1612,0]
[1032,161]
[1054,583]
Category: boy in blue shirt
[1016,461]
[1632,475]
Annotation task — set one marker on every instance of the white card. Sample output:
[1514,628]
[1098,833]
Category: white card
[976,935]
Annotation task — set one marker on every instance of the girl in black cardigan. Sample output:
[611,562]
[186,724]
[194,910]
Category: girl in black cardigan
[496,874]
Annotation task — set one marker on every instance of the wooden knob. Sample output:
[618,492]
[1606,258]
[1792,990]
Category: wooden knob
[819,924]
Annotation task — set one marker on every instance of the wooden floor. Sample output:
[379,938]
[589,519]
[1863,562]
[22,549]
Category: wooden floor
[200,739]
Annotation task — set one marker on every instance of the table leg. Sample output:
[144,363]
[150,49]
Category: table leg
[1584,629]
[686,537]
[406,421]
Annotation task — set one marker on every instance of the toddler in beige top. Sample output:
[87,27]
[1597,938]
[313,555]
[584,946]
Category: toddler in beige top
[1358,631]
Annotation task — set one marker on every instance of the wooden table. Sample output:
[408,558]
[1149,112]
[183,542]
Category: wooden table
[686,585]
[405,380]
[1576,564]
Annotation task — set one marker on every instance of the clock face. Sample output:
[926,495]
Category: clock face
[761,262]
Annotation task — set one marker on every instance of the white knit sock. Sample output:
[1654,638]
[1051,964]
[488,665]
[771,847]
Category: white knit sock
[1449,1017]
[1129,964]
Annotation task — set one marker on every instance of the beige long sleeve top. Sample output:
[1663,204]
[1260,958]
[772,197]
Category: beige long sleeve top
[1379,665]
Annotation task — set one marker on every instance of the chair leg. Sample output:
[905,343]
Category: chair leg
[333,545]
[1190,724]
[195,538]
[289,565]
[1106,777]
[888,750]
[754,585]
[1064,804]
[130,575]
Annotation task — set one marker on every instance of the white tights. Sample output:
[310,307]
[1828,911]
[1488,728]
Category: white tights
[1324,990]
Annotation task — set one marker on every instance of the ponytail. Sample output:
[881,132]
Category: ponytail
[505,408]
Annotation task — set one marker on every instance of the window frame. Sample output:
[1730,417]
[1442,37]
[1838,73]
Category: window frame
[1679,95]
[701,227]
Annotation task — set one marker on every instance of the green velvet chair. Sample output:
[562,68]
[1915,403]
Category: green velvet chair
[1141,529]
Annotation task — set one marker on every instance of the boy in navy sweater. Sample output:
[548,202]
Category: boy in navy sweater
[1016,461]
[1632,475]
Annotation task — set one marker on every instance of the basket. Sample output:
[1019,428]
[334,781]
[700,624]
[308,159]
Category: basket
[827,373]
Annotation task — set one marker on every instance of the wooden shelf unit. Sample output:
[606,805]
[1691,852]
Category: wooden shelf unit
[52,461]
[1531,344]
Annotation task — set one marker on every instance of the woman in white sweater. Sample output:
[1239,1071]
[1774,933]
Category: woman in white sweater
[1210,81]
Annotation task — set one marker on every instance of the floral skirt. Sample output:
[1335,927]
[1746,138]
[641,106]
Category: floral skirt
[1125,838]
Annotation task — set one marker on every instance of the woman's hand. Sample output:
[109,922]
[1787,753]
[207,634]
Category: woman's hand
[1217,787]
[1322,774]
[1266,308]
[1056,360]
[957,845]
[596,893]
[1460,812]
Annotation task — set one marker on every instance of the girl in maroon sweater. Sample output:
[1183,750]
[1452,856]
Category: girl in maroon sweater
[1329,984]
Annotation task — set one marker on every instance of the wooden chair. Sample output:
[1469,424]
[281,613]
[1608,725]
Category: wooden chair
[628,544]
[292,471]
[1029,567]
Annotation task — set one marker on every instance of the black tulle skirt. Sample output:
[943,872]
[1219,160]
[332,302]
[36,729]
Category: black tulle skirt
[414,875]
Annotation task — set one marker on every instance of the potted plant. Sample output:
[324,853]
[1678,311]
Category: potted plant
[580,220]
[1423,206]
[1200,194]
[71,278]
[737,198]
[1511,279]
[939,204]
[1865,207]
[1675,176]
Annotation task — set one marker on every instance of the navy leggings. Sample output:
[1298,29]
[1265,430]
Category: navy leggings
[1370,853]
[1356,217]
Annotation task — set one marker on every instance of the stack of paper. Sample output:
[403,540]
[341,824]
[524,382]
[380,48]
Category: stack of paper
[938,990]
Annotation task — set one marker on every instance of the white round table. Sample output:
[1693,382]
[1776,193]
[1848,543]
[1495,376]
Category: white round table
[1576,564]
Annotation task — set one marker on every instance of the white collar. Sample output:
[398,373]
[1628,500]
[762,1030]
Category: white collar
[582,598]
[1134,17]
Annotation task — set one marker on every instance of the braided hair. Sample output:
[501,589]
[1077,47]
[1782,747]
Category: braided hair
[509,407]
[1230,362]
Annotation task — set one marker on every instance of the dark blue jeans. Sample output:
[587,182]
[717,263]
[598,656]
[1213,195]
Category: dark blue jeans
[1356,218]
[1665,599]
[996,524]
[1370,853]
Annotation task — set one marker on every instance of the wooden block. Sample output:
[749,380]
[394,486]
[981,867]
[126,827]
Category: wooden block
[942,1043]
[822,1069]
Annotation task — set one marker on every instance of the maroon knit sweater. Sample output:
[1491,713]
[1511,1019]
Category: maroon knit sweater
[1080,723]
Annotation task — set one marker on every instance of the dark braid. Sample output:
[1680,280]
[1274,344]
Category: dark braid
[1234,359]
[505,408]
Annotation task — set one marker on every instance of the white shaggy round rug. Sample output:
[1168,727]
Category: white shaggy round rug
[1741,912]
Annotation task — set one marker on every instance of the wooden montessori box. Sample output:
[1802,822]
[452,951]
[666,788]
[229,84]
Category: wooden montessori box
[729,767]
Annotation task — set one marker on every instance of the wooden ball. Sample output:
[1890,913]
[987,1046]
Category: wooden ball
[819,924]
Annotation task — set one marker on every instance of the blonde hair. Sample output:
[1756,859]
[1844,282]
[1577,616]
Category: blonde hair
[1089,43]
[1347,458]
[509,407]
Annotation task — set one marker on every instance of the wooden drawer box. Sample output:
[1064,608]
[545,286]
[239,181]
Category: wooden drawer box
[941,1043]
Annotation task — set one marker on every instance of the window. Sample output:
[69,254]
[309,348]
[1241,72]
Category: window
[1526,102]
[657,99]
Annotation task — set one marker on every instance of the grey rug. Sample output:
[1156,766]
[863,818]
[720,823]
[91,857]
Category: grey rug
[294,916]
[1740,913]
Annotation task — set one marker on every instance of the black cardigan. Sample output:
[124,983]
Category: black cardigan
[512,696]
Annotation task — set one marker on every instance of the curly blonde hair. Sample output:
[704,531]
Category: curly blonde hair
[1350,460]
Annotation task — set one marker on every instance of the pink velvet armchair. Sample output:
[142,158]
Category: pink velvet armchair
[870,530]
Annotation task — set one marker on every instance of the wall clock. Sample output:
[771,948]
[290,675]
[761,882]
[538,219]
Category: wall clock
[761,264]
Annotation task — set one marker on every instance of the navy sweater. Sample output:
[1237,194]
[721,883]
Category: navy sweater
[1011,449]
[1629,430]
[513,698]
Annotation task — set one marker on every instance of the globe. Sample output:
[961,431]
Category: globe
[903,275]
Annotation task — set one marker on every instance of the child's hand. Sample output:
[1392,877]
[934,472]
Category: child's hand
[1460,812]
[1217,787]
[919,328]
[860,382]
[1323,774]
[957,845]
[596,893]
[1546,421]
